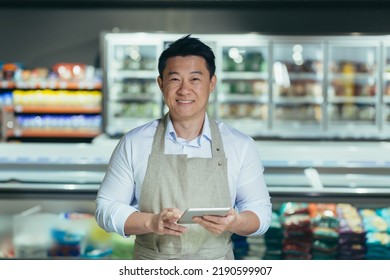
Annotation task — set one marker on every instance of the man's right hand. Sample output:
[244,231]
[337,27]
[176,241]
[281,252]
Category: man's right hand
[165,222]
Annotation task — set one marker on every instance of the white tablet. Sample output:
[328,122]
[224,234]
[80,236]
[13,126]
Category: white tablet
[187,216]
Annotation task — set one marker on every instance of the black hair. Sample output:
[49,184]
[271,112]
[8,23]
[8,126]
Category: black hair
[187,46]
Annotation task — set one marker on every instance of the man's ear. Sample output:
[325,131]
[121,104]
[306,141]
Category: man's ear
[213,83]
[160,82]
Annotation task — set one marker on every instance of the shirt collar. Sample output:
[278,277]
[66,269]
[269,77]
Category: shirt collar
[170,134]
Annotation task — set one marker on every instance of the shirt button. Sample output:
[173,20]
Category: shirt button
[219,163]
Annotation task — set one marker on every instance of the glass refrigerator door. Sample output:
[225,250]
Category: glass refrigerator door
[243,87]
[132,96]
[386,93]
[297,89]
[352,89]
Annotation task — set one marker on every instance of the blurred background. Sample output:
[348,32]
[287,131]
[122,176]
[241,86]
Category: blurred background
[308,80]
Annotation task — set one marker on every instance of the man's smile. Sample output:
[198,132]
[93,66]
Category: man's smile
[184,101]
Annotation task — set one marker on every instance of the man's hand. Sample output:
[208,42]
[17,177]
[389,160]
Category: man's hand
[218,224]
[243,223]
[165,222]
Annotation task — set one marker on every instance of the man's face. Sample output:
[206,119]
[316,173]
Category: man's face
[186,86]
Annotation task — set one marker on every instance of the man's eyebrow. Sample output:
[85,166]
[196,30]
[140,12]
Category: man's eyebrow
[197,72]
[192,72]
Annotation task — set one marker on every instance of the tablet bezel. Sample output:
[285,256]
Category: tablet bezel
[187,216]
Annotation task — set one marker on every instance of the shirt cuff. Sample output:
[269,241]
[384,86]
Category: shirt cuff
[264,215]
[120,217]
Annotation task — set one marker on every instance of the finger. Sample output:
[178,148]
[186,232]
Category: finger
[172,232]
[174,229]
[209,225]
[213,219]
[171,215]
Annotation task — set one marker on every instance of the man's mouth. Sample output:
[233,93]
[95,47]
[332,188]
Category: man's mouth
[184,101]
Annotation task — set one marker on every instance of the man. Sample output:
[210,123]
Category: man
[184,160]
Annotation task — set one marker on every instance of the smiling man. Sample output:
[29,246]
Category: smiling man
[186,85]
[184,160]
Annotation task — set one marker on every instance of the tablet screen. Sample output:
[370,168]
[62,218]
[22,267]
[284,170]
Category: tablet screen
[187,216]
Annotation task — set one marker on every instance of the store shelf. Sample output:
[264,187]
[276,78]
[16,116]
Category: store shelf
[135,98]
[140,74]
[353,99]
[244,75]
[43,113]
[53,132]
[52,84]
[298,100]
[316,77]
[242,98]
[56,109]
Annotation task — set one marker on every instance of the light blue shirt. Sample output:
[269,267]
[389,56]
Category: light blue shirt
[120,190]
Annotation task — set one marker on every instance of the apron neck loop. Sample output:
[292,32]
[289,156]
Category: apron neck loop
[217,149]
[159,137]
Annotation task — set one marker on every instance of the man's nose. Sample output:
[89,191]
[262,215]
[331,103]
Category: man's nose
[185,87]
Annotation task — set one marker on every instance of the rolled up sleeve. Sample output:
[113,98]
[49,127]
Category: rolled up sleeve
[251,192]
[116,192]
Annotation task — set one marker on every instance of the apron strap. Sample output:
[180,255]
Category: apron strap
[217,149]
[158,146]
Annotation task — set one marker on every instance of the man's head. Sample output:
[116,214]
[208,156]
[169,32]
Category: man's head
[187,46]
[187,78]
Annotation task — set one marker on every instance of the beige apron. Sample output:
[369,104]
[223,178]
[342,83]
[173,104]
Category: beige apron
[181,182]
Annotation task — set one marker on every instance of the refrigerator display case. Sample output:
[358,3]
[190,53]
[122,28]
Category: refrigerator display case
[243,90]
[130,63]
[64,179]
[284,87]
[300,169]
[386,91]
[47,194]
[297,88]
[353,105]
[327,172]
[130,70]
